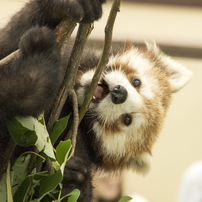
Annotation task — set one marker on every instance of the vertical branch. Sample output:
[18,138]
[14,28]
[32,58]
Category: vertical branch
[76,118]
[63,32]
[68,82]
[104,59]
[102,63]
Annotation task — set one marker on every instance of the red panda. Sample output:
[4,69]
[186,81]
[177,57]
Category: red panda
[128,107]
[130,104]
[126,113]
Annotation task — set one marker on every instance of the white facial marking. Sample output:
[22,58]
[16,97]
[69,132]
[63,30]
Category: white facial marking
[110,112]
[86,79]
[112,143]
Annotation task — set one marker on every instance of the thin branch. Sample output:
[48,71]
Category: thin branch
[8,58]
[49,166]
[32,161]
[104,59]
[63,32]
[69,79]
[76,119]
[102,63]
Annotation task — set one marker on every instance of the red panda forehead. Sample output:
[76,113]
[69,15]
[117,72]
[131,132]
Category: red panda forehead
[125,67]
[124,64]
[131,62]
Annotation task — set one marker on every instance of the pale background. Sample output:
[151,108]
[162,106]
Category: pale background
[180,143]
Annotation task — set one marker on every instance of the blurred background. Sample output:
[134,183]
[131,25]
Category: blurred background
[175,25]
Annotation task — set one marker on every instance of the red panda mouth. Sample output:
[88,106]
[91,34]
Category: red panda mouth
[101,91]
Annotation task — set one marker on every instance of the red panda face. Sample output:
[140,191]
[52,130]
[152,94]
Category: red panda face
[130,103]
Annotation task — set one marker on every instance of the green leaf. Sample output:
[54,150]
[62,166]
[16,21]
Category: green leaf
[56,165]
[58,128]
[22,136]
[43,142]
[125,199]
[74,195]
[39,176]
[41,119]
[62,153]
[21,193]
[62,150]
[8,182]
[49,184]
[19,172]
[3,189]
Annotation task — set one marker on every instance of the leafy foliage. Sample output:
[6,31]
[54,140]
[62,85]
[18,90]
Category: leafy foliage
[17,185]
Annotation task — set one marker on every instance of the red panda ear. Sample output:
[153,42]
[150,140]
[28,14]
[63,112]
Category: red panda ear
[178,75]
[141,164]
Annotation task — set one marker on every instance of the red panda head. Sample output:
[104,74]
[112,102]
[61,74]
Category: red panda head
[130,104]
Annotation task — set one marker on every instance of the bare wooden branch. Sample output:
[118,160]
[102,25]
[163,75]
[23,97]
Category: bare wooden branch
[104,59]
[63,32]
[49,166]
[76,119]
[32,161]
[7,59]
[69,79]
[101,65]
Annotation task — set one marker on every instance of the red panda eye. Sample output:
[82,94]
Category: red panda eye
[127,119]
[136,83]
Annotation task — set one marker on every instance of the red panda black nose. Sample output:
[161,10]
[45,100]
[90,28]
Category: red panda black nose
[119,94]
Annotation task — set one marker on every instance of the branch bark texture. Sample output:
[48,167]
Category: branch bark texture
[69,79]
[101,65]
[104,59]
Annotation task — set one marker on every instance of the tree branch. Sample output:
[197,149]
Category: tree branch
[8,58]
[102,63]
[76,119]
[63,32]
[104,59]
[69,79]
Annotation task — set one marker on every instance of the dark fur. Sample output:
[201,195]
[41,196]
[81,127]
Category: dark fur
[30,81]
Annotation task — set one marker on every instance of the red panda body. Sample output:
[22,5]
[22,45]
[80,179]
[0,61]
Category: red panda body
[130,104]
[128,107]
[127,110]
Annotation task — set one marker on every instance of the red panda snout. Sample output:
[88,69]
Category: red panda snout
[119,94]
